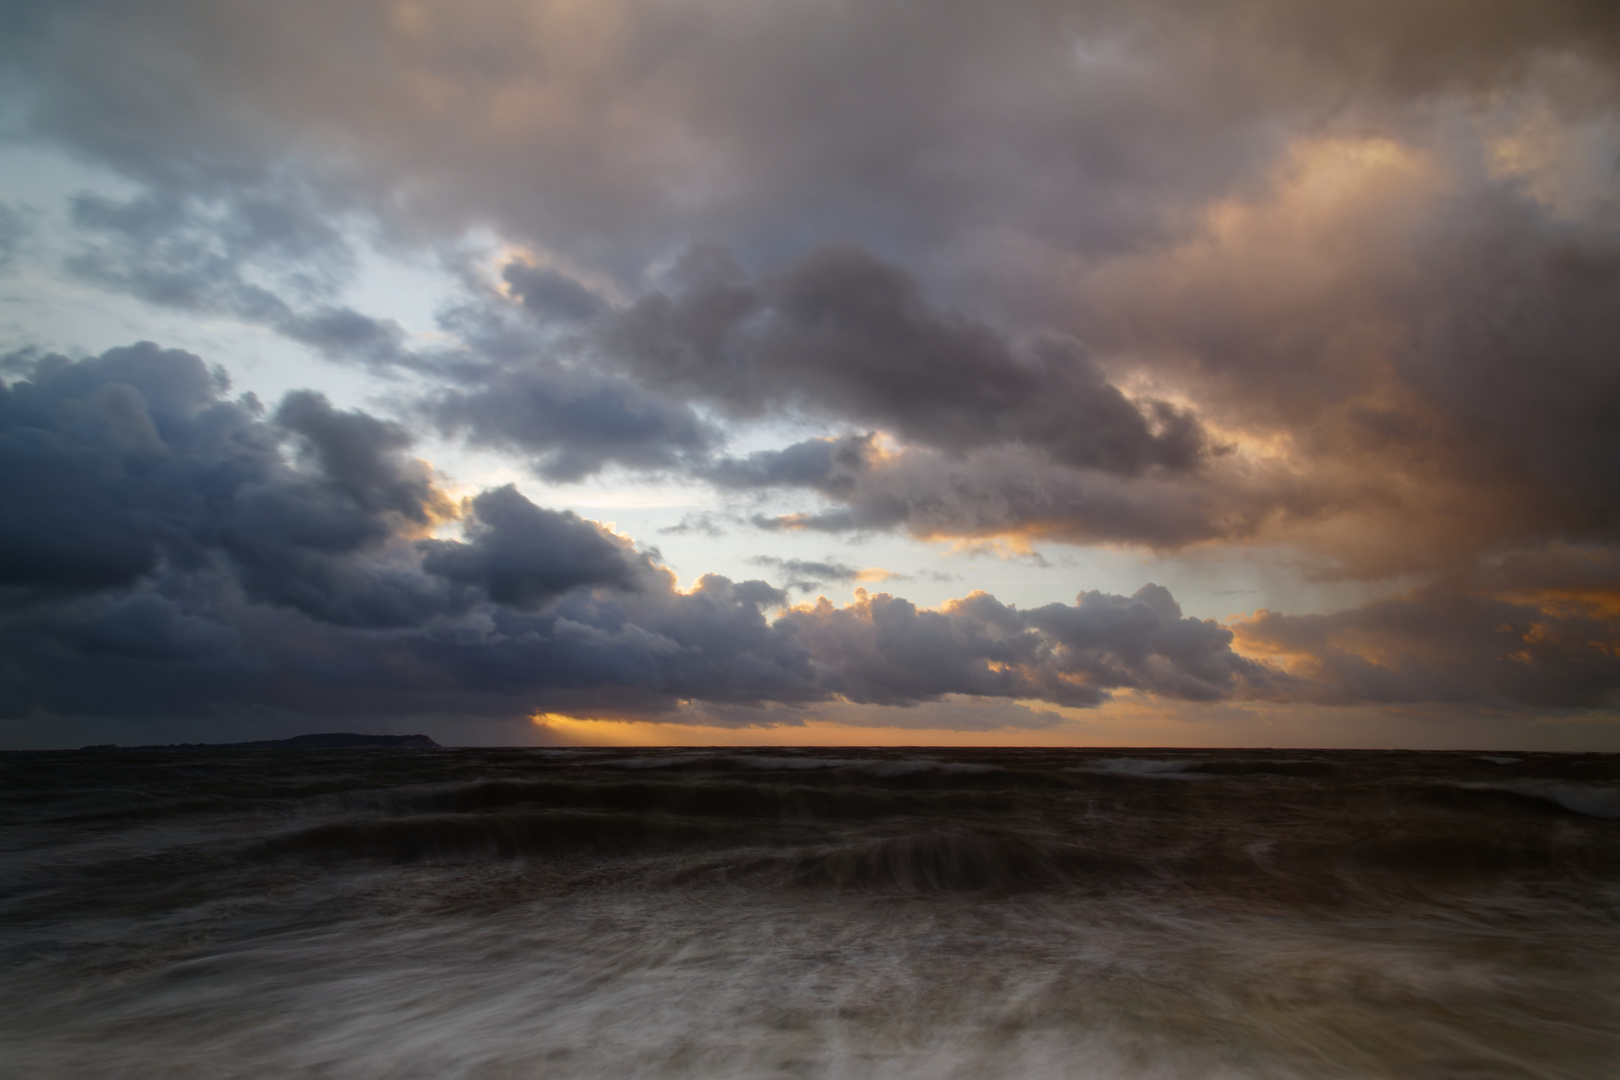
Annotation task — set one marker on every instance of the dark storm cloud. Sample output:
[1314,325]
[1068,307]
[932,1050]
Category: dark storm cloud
[150,521]
[325,540]
[884,650]
[1521,350]
[85,466]
[1439,644]
[828,465]
[1559,568]
[843,335]
[167,550]
[522,555]
[550,293]
[570,424]
[1459,374]
[359,455]
[1413,49]
[144,626]
[1001,491]
[133,463]
[618,131]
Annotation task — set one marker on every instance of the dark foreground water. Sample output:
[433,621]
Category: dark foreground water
[706,914]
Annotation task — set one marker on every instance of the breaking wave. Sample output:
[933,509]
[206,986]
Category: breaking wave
[1590,800]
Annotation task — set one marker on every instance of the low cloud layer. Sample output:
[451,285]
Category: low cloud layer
[172,551]
[169,548]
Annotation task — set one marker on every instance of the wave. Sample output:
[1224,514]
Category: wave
[462,837]
[931,862]
[859,912]
[713,798]
[1270,767]
[1153,768]
[1588,800]
[1289,828]
[1197,768]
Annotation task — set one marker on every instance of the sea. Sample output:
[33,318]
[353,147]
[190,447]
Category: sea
[829,913]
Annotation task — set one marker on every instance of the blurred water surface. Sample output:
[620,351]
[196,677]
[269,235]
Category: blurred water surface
[708,913]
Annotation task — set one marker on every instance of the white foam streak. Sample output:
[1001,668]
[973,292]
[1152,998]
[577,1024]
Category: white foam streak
[717,985]
[1158,768]
[1592,800]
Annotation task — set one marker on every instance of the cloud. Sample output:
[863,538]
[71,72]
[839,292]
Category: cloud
[1427,349]
[269,258]
[884,650]
[1338,281]
[1396,371]
[84,460]
[843,335]
[170,550]
[550,294]
[827,465]
[268,254]
[706,522]
[1001,491]
[521,555]
[806,575]
[644,127]
[173,552]
[570,424]
[17,228]
[133,463]
[811,723]
[1260,262]
[1440,644]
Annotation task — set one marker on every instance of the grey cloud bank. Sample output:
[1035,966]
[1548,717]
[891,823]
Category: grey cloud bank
[173,552]
[170,549]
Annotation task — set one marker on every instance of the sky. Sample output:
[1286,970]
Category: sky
[1239,372]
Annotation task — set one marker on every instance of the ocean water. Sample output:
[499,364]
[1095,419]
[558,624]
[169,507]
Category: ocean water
[711,914]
